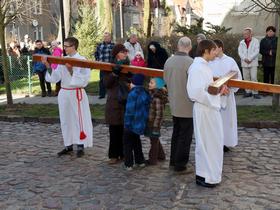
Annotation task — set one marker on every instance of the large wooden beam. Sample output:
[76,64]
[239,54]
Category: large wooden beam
[159,73]
[216,86]
[259,86]
[99,65]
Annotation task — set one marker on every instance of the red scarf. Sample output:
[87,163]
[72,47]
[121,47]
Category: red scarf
[247,41]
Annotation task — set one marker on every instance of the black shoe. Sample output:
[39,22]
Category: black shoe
[80,153]
[65,151]
[226,149]
[246,95]
[201,182]
[180,168]
[44,94]
[49,94]
[256,96]
[100,97]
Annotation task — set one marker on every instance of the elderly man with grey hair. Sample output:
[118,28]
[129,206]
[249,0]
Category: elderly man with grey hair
[175,76]
[133,46]
[199,38]
[248,51]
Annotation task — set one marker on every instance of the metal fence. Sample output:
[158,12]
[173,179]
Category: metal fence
[20,73]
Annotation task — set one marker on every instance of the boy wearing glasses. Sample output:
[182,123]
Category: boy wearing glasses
[74,111]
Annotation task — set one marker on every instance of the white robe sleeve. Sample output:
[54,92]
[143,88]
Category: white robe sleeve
[55,76]
[80,77]
[197,90]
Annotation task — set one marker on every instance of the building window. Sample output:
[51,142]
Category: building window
[37,8]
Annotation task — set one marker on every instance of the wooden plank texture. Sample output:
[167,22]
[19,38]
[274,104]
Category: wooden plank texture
[157,73]
[99,65]
[215,87]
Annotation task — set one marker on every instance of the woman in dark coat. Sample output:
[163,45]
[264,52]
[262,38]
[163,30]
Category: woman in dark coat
[156,55]
[114,109]
[268,47]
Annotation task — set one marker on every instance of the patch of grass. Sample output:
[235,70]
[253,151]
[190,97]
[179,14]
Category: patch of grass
[245,113]
[93,86]
[45,110]
[257,114]
[20,86]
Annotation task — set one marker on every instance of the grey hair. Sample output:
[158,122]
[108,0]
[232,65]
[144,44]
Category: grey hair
[248,29]
[201,36]
[107,33]
[133,35]
[184,42]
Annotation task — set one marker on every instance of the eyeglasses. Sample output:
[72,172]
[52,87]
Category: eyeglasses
[65,46]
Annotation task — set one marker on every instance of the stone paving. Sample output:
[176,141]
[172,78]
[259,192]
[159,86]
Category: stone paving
[33,177]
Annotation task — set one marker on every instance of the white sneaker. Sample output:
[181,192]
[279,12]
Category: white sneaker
[142,165]
[127,168]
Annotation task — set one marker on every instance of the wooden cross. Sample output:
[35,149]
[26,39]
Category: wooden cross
[213,88]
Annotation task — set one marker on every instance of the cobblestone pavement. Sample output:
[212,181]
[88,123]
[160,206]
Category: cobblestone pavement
[32,177]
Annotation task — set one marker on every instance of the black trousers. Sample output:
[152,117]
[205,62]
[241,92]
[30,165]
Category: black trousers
[268,74]
[41,76]
[181,141]
[132,148]
[102,89]
[116,141]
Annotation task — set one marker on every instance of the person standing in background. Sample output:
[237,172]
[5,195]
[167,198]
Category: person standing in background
[56,51]
[248,51]
[133,46]
[103,53]
[268,48]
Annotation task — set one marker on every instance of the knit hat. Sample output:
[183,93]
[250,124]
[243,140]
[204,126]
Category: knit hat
[159,82]
[118,48]
[138,79]
[55,43]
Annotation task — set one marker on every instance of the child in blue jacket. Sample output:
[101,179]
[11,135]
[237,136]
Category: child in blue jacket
[135,119]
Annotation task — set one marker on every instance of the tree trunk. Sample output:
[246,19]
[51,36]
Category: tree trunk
[104,12]
[147,24]
[67,20]
[275,100]
[5,66]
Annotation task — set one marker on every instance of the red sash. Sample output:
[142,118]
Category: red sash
[79,97]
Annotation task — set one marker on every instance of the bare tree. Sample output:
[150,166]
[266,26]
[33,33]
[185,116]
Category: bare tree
[9,11]
[272,6]
[147,24]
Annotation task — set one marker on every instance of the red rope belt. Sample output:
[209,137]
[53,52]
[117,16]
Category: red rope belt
[79,97]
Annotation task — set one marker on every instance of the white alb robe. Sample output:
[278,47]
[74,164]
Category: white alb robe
[220,67]
[208,127]
[68,103]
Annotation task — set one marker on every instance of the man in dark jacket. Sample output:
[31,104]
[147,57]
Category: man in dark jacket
[40,69]
[268,47]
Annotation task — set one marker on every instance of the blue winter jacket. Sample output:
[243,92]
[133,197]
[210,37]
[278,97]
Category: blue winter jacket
[39,66]
[137,110]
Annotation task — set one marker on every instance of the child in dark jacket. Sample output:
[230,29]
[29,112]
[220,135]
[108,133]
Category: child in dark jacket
[158,95]
[135,119]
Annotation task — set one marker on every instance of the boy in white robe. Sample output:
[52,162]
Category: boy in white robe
[221,66]
[208,126]
[74,111]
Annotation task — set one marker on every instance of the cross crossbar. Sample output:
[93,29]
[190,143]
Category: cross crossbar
[99,65]
[214,87]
